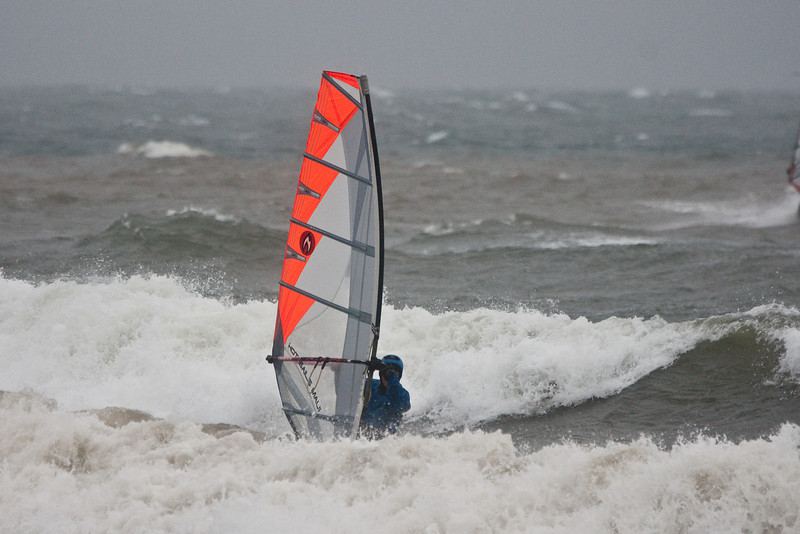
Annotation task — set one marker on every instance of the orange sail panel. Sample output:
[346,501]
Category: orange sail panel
[332,280]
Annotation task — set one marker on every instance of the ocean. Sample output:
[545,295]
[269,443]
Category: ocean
[595,294]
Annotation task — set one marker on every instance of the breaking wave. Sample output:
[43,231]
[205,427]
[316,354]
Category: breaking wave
[207,212]
[747,212]
[153,344]
[515,231]
[163,149]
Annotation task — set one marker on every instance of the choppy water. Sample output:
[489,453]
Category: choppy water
[595,295]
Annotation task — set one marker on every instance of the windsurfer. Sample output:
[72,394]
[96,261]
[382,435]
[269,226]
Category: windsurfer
[388,399]
[793,179]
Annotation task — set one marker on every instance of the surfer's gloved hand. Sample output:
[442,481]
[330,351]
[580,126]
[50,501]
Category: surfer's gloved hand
[376,365]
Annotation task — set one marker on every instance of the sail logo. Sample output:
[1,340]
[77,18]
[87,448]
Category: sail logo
[307,243]
[310,386]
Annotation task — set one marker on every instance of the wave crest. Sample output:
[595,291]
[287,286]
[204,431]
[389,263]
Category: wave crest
[163,149]
[152,344]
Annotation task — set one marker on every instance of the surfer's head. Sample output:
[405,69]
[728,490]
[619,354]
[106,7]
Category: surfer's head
[393,363]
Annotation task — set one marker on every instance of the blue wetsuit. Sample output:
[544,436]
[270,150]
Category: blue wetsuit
[386,406]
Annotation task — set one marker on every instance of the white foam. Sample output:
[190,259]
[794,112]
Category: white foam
[790,360]
[558,105]
[520,96]
[126,148]
[437,136]
[163,149]
[447,228]
[592,241]
[69,473]
[206,212]
[747,211]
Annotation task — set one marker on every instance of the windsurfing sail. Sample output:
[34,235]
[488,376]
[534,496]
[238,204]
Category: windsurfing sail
[793,172]
[331,287]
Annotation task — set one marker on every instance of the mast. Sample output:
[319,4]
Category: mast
[379,188]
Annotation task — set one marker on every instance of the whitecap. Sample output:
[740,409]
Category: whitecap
[193,120]
[220,217]
[437,136]
[125,148]
[710,112]
[163,149]
[558,105]
[520,96]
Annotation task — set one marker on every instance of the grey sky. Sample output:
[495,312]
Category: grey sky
[713,44]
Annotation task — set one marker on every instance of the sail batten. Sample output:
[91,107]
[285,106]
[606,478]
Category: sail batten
[341,89]
[331,285]
[363,247]
[338,169]
[359,314]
